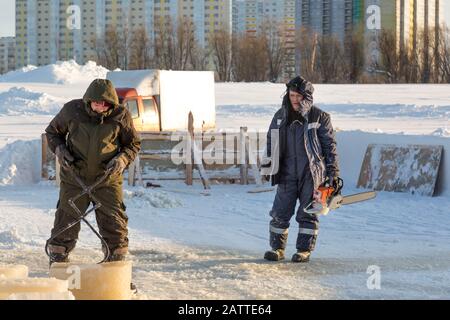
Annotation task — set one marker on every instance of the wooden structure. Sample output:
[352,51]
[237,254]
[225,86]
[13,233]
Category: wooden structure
[157,153]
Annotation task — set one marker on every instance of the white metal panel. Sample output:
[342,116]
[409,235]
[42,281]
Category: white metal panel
[144,81]
[185,91]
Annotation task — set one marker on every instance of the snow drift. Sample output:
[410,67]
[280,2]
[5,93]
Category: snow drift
[21,101]
[20,163]
[356,110]
[62,72]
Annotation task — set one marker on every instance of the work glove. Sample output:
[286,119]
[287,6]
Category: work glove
[332,181]
[117,164]
[64,156]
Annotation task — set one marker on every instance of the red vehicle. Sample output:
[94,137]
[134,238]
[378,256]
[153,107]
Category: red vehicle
[144,110]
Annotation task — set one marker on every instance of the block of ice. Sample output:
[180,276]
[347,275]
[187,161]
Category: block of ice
[13,272]
[106,281]
[42,296]
[41,285]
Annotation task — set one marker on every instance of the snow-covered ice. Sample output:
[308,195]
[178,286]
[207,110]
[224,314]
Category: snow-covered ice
[188,246]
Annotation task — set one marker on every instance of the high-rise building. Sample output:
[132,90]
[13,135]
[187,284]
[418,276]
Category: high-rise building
[410,20]
[7,57]
[251,16]
[334,18]
[327,17]
[47,31]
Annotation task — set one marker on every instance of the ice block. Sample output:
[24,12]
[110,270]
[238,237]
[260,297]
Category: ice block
[38,285]
[42,296]
[106,281]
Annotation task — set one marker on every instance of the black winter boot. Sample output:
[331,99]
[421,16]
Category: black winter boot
[274,255]
[301,256]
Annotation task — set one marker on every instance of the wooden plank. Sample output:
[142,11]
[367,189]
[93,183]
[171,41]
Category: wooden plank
[159,136]
[155,157]
[131,174]
[411,168]
[189,164]
[138,170]
[44,158]
[243,155]
[58,172]
[200,167]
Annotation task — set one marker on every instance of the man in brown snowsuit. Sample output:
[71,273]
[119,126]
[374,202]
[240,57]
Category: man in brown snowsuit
[92,135]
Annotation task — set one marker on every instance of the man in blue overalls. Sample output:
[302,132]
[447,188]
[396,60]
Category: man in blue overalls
[307,159]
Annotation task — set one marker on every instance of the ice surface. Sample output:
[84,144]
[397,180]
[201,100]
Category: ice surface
[407,236]
[38,285]
[13,272]
[42,296]
[106,281]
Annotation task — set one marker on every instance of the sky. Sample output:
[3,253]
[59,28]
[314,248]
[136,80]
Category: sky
[7,17]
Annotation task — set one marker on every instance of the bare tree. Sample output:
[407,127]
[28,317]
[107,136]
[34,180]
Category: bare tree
[174,44]
[390,60]
[354,56]
[199,58]
[140,49]
[110,48]
[442,53]
[220,44]
[330,59]
[249,58]
[307,46]
[275,48]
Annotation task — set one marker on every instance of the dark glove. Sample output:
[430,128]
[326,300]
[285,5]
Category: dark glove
[117,164]
[266,163]
[64,156]
[333,181]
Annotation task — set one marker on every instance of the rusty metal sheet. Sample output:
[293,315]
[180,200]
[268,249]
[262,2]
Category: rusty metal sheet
[411,168]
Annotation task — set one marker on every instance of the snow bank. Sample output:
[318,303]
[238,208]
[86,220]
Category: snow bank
[441,132]
[333,94]
[21,101]
[356,110]
[62,72]
[20,163]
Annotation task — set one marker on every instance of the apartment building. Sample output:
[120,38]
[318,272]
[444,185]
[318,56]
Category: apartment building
[7,51]
[251,16]
[53,30]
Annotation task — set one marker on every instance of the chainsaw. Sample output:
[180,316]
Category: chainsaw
[328,197]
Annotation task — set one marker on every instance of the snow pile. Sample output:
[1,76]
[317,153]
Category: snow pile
[10,238]
[20,163]
[16,74]
[21,101]
[441,132]
[62,72]
[152,198]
